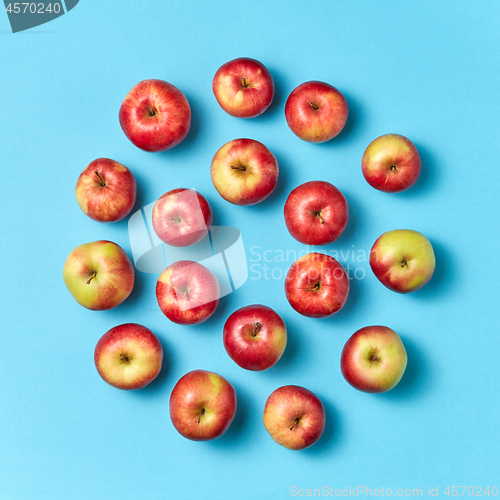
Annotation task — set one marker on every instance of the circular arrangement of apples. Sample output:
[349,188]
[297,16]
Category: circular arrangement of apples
[156,116]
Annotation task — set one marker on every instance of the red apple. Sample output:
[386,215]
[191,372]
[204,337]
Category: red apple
[316,285]
[182,217]
[106,190]
[155,115]
[244,172]
[316,213]
[255,337]
[187,292]
[294,417]
[243,87]
[373,359]
[202,405]
[128,356]
[99,275]
[316,111]
[403,260]
[391,163]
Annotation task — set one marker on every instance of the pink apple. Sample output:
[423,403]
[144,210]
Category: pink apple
[391,163]
[403,260]
[244,172]
[128,356]
[255,337]
[316,213]
[155,115]
[99,275]
[187,292]
[243,87]
[106,190]
[316,111]
[182,217]
[373,359]
[316,285]
[202,405]
[294,417]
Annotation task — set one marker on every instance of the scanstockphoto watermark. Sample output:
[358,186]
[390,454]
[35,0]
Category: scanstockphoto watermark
[365,491]
[356,491]
[270,264]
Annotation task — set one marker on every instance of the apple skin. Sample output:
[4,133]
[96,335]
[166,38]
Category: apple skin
[373,359]
[255,337]
[391,163]
[182,217]
[128,356]
[202,405]
[155,115]
[316,111]
[243,87]
[244,172]
[294,417]
[106,190]
[187,292]
[99,275]
[316,213]
[316,285]
[403,260]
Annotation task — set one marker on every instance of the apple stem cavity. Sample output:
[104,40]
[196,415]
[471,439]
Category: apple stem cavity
[238,168]
[91,278]
[200,414]
[100,178]
[152,112]
[255,329]
[315,288]
[295,422]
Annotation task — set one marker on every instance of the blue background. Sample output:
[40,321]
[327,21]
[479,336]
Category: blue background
[427,70]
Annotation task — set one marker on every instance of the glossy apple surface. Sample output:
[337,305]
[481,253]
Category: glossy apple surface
[182,217]
[294,417]
[316,285]
[244,172]
[202,405]
[155,115]
[373,359]
[243,87]
[403,260]
[316,213]
[316,111]
[99,275]
[187,292]
[391,163]
[128,356]
[255,337]
[106,190]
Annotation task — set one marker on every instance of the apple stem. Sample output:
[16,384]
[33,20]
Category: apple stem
[318,215]
[91,278]
[256,328]
[314,106]
[244,83]
[238,168]
[315,288]
[100,178]
[393,168]
[403,264]
[295,422]
[152,111]
[177,219]
[200,414]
